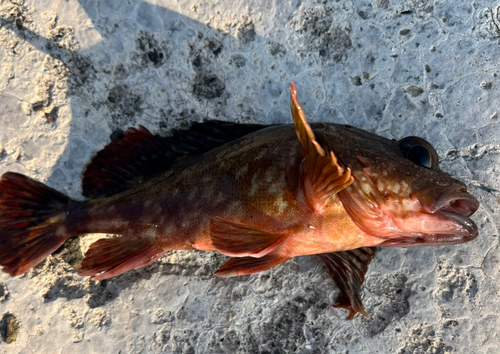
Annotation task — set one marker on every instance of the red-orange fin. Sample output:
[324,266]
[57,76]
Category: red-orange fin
[111,257]
[32,222]
[240,240]
[324,176]
[248,265]
[348,269]
[137,154]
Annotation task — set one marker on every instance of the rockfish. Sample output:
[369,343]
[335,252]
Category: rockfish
[259,194]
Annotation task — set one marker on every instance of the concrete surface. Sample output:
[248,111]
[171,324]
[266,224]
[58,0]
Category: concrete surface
[71,73]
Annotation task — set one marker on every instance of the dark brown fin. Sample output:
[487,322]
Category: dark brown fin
[323,174]
[112,257]
[32,218]
[248,265]
[138,155]
[348,269]
[239,240]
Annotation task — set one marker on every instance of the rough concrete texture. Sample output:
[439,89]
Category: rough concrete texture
[73,73]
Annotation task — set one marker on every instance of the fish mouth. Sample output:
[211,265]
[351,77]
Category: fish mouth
[457,207]
[449,216]
[461,203]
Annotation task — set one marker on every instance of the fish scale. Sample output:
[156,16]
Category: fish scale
[258,194]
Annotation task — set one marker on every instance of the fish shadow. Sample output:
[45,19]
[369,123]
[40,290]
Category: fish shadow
[69,285]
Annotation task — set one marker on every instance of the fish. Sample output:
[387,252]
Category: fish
[260,194]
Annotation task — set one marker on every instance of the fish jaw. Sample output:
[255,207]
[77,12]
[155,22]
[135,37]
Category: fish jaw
[455,200]
[397,199]
[437,229]
[431,216]
[444,219]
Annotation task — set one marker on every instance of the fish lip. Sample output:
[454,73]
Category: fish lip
[461,203]
[427,240]
[456,206]
[467,231]
[469,228]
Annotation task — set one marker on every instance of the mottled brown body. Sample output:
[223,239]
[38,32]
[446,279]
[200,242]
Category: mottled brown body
[260,195]
[254,181]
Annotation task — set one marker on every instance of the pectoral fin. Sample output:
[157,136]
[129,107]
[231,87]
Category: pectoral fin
[348,269]
[240,240]
[323,175]
[248,265]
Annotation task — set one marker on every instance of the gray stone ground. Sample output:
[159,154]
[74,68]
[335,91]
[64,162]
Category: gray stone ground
[73,72]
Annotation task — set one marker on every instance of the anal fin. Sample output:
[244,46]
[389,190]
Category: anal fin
[248,265]
[111,257]
[240,240]
[348,269]
[323,174]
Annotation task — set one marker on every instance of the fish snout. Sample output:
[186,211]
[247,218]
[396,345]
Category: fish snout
[457,207]
[461,203]
[448,198]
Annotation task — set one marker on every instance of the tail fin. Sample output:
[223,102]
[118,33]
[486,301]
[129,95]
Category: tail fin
[32,222]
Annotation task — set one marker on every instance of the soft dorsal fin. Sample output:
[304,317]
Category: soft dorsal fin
[137,154]
[323,175]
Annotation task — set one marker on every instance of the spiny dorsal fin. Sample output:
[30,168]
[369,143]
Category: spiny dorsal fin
[137,154]
[323,175]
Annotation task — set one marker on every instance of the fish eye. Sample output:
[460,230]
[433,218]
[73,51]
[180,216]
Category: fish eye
[419,151]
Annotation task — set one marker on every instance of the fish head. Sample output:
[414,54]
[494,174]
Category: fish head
[399,192]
